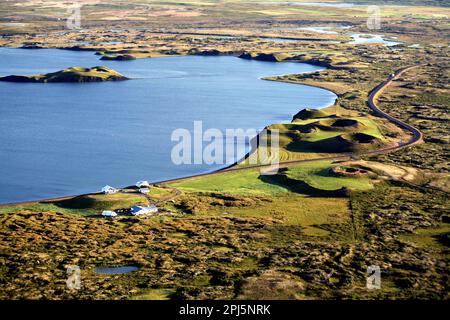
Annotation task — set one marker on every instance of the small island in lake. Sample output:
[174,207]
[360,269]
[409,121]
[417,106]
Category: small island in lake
[74,74]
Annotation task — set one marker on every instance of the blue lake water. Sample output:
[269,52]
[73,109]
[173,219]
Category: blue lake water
[65,138]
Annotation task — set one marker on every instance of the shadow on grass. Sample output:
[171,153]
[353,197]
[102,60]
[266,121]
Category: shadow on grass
[301,187]
[79,202]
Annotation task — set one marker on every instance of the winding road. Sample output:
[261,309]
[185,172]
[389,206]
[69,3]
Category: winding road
[417,137]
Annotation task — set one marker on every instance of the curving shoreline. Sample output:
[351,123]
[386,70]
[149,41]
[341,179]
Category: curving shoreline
[417,138]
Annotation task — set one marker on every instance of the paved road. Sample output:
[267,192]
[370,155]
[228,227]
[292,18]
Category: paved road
[416,137]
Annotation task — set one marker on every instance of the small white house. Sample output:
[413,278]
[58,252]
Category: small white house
[110,214]
[144,190]
[109,190]
[138,210]
[143,184]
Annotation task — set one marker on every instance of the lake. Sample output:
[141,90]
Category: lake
[61,139]
[116,270]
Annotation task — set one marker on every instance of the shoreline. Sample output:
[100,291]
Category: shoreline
[417,138]
[216,171]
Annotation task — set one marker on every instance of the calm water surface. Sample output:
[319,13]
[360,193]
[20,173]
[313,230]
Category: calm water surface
[116,270]
[59,139]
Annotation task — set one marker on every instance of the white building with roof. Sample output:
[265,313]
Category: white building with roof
[109,190]
[140,210]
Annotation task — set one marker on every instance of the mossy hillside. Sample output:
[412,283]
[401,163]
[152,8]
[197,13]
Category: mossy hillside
[245,182]
[251,182]
[313,137]
[91,204]
[307,113]
[319,175]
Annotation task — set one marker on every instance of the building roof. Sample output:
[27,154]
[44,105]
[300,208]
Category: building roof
[108,189]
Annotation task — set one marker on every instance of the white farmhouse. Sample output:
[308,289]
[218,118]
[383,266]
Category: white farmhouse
[144,190]
[110,214]
[139,210]
[142,184]
[109,190]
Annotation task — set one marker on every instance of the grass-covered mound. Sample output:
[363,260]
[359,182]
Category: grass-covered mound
[348,142]
[320,175]
[330,134]
[345,123]
[284,180]
[74,74]
[316,175]
[318,179]
[272,57]
[99,202]
[310,114]
[320,134]
[327,125]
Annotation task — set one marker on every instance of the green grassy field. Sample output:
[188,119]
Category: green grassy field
[73,74]
[318,135]
[249,182]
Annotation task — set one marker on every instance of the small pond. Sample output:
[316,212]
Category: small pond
[116,270]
